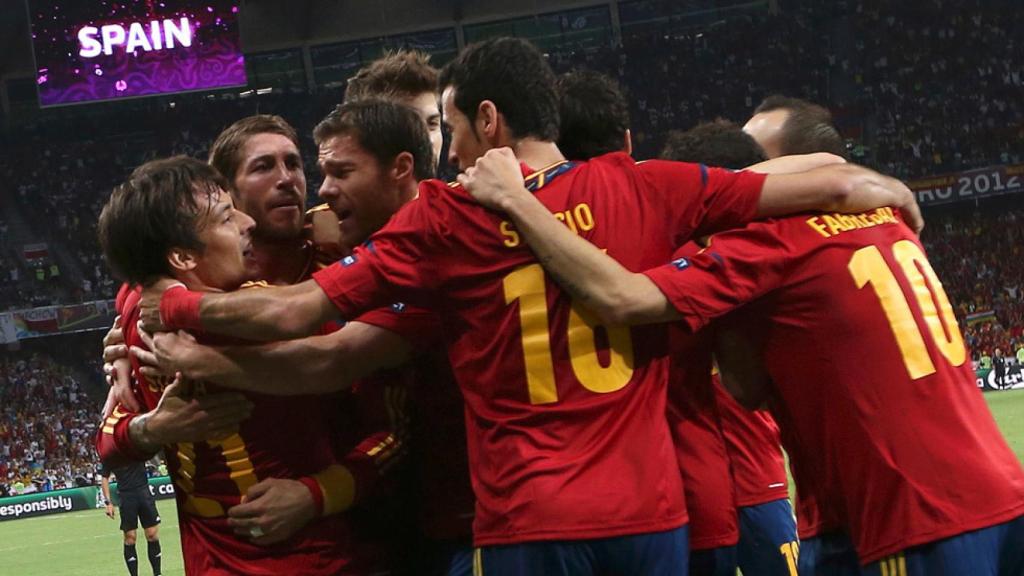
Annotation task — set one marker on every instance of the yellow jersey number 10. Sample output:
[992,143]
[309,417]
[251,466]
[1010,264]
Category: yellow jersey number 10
[869,267]
[526,285]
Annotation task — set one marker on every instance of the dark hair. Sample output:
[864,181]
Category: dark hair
[514,75]
[719,143]
[396,75]
[384,129]
[808,128]
[158,208]
[594,115]
[225,152]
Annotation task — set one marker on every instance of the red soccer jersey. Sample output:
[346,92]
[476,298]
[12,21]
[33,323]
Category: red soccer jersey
[566,425]
[210,477]
[872,378]
[700,448]
[441,466]
[752,440]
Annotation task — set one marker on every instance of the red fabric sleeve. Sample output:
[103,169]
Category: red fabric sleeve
[382,411]
[420,327]
[735,268]
[724,199]
[403,262]
[113,443]
[122,295]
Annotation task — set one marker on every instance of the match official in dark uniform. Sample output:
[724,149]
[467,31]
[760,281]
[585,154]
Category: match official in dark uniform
[137,505]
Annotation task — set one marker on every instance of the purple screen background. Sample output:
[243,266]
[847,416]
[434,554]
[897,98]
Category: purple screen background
[65,77]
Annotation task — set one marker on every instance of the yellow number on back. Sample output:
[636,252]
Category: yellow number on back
[869,267]
[526,285]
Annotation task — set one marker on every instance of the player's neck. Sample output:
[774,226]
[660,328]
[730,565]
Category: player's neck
[537,154]
[279,261]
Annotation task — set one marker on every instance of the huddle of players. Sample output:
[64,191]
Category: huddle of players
[571,455]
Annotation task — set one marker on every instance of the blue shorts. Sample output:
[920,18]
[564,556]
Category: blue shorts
[994,551]
[461,563]
[655,554]
[768,542]
[719,561]
[828,555]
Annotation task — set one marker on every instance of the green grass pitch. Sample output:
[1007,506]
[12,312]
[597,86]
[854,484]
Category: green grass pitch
[89,543]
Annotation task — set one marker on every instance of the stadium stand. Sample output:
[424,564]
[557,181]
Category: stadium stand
[48,415]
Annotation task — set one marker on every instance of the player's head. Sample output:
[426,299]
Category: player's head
[259,157]
[495,93]
[784,126]
[404,76]
[175,218]
[594,116]
[372,153]
[719,143]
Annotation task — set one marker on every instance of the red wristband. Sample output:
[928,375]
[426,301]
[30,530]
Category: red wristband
[179,309]
[316,492]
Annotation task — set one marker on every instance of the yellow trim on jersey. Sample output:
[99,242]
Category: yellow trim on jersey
[478,563]
[108,429]
[895,565]
[541,174]
[338,487]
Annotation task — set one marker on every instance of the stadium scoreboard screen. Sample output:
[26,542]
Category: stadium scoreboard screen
[87,51]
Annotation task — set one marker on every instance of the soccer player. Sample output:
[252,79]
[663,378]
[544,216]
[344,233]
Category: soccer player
[870,375]
[785,126]
[175,217]
[406,77]
[768,535]
[593,114]
[595,121]
[571,472]
[137,505]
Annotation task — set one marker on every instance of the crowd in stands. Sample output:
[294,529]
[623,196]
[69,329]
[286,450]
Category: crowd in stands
[48,416]
[979,256]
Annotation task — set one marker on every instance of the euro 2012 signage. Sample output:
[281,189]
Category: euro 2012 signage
[969,185]
[88,51]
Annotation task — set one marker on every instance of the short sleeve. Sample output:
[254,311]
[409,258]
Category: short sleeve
[702,200]
[420,327]
[734,268]
[400,263]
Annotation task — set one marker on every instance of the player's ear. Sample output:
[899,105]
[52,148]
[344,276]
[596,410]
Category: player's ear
[181,260]
[403,166]
[487,121]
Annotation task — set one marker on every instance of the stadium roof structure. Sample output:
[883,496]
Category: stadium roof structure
[274,24]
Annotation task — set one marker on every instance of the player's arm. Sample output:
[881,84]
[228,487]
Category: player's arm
[795,163]
[279,507]
[105,488]
[595,280]
[273,313]
[845,188]
[128,436]
[313,365]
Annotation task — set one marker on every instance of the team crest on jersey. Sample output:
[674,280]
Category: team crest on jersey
[681,263]
[348,261]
